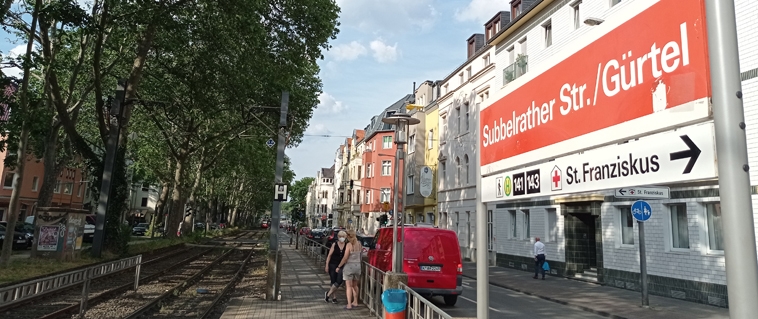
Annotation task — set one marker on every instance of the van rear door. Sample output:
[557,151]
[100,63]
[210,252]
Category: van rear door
[431,258]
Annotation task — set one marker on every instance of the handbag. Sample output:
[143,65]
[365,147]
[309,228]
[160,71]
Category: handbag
[545,266]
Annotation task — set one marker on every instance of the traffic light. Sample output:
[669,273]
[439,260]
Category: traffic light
[382,220]
[351,184]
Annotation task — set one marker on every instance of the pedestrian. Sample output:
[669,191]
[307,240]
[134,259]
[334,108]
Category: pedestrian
[539,258]
[332,263]
[352,269]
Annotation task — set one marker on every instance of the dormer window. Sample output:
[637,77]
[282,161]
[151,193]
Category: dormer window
[471,48]
[515,9]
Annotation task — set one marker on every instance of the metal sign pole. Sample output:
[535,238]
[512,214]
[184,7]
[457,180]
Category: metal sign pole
[643,265]
[731,149]
[274,273]
[482,258]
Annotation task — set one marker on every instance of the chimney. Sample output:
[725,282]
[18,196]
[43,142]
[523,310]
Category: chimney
[474,43]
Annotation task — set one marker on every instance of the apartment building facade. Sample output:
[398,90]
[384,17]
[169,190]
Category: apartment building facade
[378,159]
[340,208]
[320,199]
[356,169]
[462,91]
[591,234]
[420,203]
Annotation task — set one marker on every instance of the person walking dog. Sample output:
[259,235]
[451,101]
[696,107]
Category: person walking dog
[539,258]
[336,254]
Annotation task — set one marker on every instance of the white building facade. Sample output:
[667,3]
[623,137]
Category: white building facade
[461,93]
[320,199]
[592,234]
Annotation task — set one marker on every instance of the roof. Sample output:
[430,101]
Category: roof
[527,7]
[377,125]
[327,172]
[359,134]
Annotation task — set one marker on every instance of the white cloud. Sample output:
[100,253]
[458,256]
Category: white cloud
[388,16]
[383,52]
[480,10]
[317,128]
[329,104]
[349,51]
[13,54]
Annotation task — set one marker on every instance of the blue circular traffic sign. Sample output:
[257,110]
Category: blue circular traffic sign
[641,210]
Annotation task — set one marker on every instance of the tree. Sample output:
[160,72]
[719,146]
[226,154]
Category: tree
[297,203]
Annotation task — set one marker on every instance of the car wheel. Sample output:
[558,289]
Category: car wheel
[450,300]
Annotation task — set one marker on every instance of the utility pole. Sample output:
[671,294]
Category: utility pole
[731,151]
[110,159]
[274,259]
[482,258]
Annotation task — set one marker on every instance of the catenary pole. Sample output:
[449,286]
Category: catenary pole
[274,274]
[110,158]
[731,151]
[482,260]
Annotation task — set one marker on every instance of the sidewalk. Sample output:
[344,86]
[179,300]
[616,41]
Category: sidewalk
[303,286]
[607,301]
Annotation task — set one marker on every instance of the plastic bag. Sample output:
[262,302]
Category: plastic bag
[394,300]
[545,266]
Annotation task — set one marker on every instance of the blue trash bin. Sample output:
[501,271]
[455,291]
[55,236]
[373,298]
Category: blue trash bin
[394,301]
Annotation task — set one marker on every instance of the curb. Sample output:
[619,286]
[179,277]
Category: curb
[583,308]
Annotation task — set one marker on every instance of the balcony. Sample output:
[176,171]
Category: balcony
[516,70]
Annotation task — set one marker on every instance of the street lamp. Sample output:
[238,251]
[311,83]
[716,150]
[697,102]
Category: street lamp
[401,121]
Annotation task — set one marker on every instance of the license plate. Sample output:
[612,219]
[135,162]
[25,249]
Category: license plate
[21,241]
[431,268]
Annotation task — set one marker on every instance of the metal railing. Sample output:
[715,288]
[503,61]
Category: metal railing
[420,308]
[515,70]
[371,288]
[31,289]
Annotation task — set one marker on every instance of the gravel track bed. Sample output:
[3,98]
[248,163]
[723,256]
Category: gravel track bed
[190,303]
[252,284]
[122,305]
[67,297]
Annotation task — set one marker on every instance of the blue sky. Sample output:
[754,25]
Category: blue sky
[382,48]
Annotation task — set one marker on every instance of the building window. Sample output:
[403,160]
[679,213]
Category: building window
[387,142]
[680,234]
[430,139]
[443,221]
[552,225]
[465,169]
[627,225]
[385,196]
[443,165]
[486,60]
[615,2]
[468,229]
[460,78]
[468,73]
[458,120]
[548,26]
[386,168]
[357,196]
[511,55]
[57,189]
[457,222]
[577,17]
[409,182]
[443,131]
[8,182]
[527,225]
[68,188]
[468,122]
[522,46]
[715,229]
[458,170]
[368,170]
[412,144]
[512,225]
[144,202]
[35,184]
[368,197]
[490,232]
[515,9]
[358,171]
[446,88]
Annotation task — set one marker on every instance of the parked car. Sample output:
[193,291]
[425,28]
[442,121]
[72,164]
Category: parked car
[264,224]
[19,241]
[316,235]
[367,242]
[140,229]
[431,258]
[25,229]
[304,231]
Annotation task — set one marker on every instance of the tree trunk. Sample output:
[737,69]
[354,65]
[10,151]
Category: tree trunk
[176,216]
[159,208]
[193,190]
[233,220]
[18,178]
[52,166]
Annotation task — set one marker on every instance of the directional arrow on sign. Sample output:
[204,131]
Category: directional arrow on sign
[693,153]
[622,191]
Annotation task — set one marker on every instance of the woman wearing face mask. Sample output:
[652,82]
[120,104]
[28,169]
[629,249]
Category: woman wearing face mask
[332,262]
[351,262]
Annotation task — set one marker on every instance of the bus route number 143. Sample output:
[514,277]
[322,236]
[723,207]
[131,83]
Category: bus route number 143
[526,183]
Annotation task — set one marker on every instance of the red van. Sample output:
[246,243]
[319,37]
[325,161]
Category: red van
[431,258]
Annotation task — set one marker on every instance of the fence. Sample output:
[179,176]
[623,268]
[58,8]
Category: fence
[371,286]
